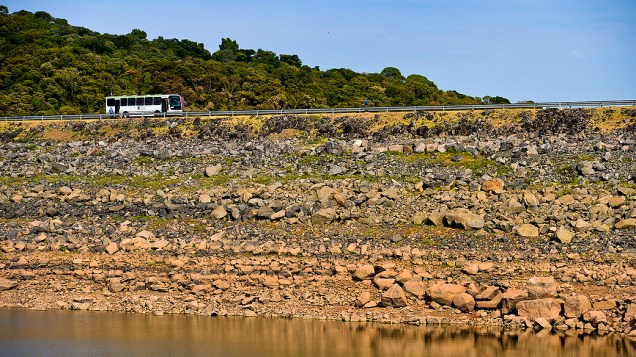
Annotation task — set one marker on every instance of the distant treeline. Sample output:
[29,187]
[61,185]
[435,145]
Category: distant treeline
[48,67]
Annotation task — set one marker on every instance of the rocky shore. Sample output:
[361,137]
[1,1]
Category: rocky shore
[516,218]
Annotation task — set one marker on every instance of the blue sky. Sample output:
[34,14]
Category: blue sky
[541,50]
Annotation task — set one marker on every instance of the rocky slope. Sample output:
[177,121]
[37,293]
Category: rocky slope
[516,218]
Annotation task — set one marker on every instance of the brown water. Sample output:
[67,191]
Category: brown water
[66,333]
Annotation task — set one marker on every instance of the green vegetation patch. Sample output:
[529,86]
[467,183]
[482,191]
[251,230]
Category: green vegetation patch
[478,164]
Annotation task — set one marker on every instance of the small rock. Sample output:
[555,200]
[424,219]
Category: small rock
[626,223]
[6,284]
[564,235]
[528,231]
[112,248]
[494,185]
[364,272]
[324,216]
[219,212]
[363,299]
[213,170]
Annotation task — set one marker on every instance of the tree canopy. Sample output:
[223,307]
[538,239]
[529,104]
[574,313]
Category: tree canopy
[51,67]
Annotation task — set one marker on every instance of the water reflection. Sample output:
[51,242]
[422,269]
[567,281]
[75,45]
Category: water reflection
[65,333]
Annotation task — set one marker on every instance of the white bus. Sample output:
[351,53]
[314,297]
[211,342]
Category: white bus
[144,105]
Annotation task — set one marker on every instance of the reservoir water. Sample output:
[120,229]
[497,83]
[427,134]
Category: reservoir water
[82,333]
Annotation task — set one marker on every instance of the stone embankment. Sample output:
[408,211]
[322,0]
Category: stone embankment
[529,225]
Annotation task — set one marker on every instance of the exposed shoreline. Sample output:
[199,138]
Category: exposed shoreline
[348,219]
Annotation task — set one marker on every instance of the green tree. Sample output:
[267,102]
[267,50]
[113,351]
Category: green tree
[392,73]
[494,100]
[291,60]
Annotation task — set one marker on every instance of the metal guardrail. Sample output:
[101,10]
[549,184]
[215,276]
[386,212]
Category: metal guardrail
[544,105]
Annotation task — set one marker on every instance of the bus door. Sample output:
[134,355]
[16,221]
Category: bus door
[117,106]
[164,105]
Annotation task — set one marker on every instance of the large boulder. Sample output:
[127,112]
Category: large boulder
[323,216]
[595,317]
[511,297]
[383,283]
[436,219]
[576,305]
[464,302]
[394,297]
[445,293]
[487,293]
[416,287]
[549,309]
[541,287]
[463,218]
[630,313]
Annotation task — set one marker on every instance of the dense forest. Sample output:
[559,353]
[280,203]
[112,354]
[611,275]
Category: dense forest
[48,66]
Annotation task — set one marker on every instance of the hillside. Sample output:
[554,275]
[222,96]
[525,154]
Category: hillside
[48,66]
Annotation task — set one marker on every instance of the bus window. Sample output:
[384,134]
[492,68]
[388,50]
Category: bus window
[131,101]
[124,102]
[148,100]
[140,102]
[157,101]
[175,102]
[110,102]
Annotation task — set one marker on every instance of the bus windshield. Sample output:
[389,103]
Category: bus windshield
[174,102]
